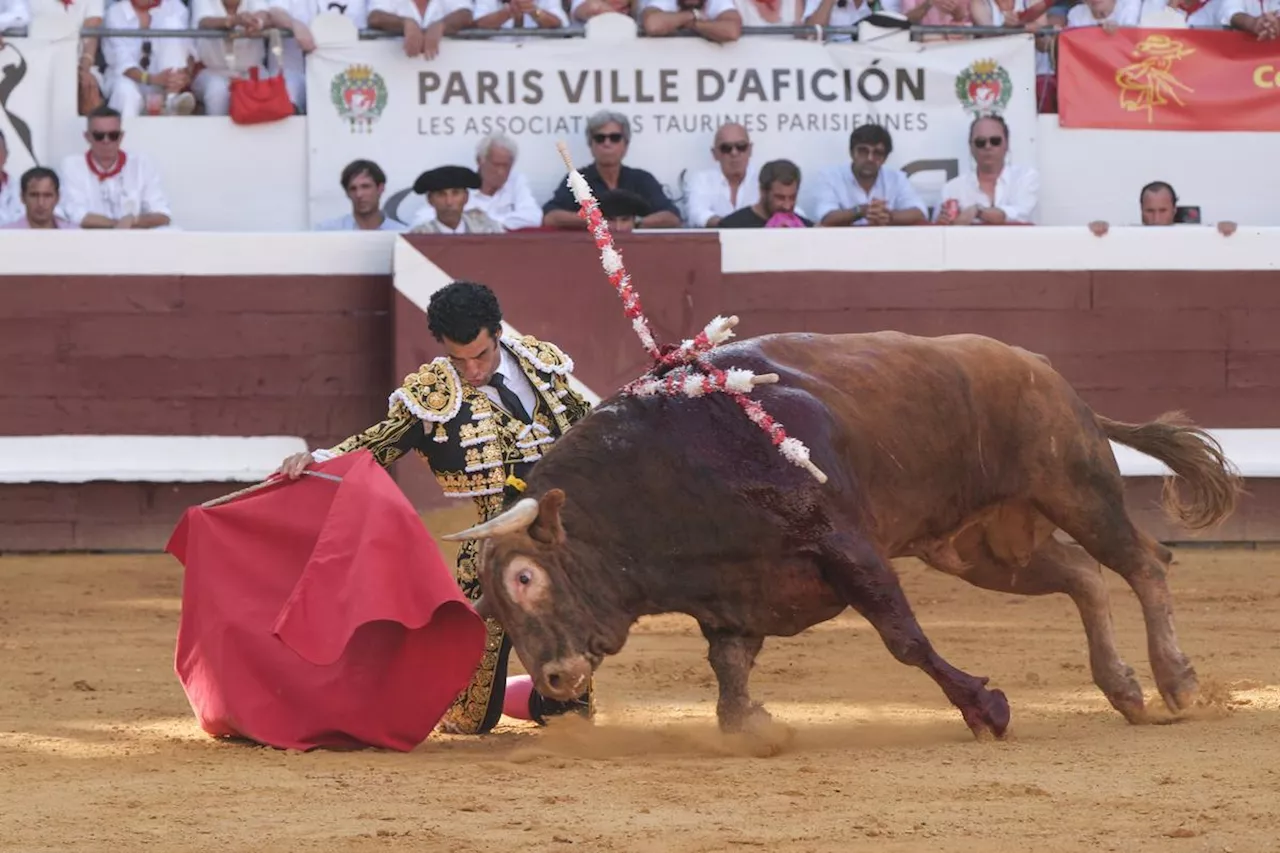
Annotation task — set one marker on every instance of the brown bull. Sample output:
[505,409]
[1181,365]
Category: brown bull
[959,450]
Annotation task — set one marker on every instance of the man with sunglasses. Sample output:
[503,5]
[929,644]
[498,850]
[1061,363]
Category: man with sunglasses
[108,188]
[608,135]
[867,192]
[729,185]
[997,192]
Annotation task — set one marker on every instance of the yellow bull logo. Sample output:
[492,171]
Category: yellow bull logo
[1150,83]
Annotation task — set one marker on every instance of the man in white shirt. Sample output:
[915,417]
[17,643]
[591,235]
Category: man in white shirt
[730,185]
[228,57]
[141,69]
[1108,14]
[40,202]
[844,13]
[107,188]
[866,192]
[364,182]
[519,15]
[1158,202]
[84,14]
[10,196]
[503,195]
[422,22]
[447,189]
[998,192]
[714,20]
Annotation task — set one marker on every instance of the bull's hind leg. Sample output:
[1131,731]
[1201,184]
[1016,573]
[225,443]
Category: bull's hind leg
[732,656]
[1094,514]
[870,586]
[1056,567]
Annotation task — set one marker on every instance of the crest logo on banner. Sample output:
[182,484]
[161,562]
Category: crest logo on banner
[360,95]
[984,87]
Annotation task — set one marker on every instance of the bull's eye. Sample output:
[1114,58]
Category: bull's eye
[525,578]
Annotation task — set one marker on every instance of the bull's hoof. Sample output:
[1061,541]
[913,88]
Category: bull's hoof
[743,719]
[1181,694]
[990,717]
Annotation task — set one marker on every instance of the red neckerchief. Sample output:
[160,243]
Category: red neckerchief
[110,173]
[1195,6]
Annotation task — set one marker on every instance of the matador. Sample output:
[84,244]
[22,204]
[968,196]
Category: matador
[481,416]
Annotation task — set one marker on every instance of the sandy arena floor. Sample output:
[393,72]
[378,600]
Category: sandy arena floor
[99,751]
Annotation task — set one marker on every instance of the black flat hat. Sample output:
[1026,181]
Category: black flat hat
[446,178]
[616,203]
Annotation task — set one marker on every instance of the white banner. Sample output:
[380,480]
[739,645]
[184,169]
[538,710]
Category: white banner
[37,94]
[798,99]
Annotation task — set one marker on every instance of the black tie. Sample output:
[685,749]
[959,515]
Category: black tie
[509,398]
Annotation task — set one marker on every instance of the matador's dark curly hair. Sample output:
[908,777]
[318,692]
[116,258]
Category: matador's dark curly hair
[460,310]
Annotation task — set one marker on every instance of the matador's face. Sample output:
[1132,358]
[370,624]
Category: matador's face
[477,361]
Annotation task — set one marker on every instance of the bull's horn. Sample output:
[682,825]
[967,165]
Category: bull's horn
[519,517]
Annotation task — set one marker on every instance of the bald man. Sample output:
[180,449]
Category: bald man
[729,185]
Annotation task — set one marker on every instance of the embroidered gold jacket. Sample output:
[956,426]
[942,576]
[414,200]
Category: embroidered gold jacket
[474,448]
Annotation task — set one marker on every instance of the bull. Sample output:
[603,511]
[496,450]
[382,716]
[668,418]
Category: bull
[962,451]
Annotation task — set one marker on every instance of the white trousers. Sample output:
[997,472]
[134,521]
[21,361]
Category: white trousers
[126,96]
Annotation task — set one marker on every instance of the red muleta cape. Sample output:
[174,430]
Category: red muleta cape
[321,614]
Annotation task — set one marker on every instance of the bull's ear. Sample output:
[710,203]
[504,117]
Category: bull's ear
[546,528]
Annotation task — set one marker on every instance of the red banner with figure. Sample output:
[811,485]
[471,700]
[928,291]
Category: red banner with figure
[1155,79]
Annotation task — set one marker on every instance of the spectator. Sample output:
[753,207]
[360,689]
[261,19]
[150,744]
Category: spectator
[225,58]
[714,20]
[1260,17]
[14,15]
[1108,14]
[447,189]
[727,186]
[10,198]
[1159,203]
[89,80]
[364,183]
[107,188]
[295,16]
[776,207]
[845,13]
[621,209]
[939,13]
[40,198]
[503,194]
[357,11]
[143,74]
[581,11]
[771,13]
[1017,15]
[867,192]
[519,15]
[1184,14]
[423,22]
[608,137]
[998,191]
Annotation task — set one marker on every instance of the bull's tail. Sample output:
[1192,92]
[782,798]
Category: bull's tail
[1193,455]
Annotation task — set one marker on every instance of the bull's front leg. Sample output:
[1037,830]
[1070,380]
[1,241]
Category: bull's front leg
[731,657]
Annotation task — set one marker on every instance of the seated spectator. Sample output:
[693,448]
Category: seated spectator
[1022,14]
[1260,17]
[845,13]
[1108,14]
[776,207]
[939,13]
[1159,204]
[727,186]
[148,75]
[714,20]
[1181,14]
[608,136]
[447,189]
[771,13]
[422,22]
[503,194]
[364,183]
[40,198]
[998,191]
[107,188]
[520,15]
[867,192]
[14,15]
[581,11]
[223,59]
[10,195]
[621,209]
[89,79]
[357,11]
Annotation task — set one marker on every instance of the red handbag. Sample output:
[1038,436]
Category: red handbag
[258,100]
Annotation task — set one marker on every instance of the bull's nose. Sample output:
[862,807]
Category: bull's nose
[565,679]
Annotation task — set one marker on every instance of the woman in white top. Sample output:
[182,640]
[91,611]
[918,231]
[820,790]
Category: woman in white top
[997,192]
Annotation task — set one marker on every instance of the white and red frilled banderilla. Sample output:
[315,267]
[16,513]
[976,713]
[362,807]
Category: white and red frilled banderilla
[694,376]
